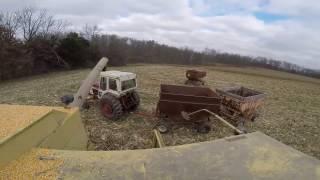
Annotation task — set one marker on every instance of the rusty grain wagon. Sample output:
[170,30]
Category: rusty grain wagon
[240,103]
[176,100]
[195,75]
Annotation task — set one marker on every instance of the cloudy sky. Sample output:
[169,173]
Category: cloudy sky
[283,29]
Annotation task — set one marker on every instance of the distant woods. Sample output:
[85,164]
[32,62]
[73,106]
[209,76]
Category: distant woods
[32,42]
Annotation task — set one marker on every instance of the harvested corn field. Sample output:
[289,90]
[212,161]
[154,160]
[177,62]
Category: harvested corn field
[290,113]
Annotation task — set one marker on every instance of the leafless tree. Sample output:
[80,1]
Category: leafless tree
[10,21]
[31,22]
[90,31]
[35,22]
[52,26]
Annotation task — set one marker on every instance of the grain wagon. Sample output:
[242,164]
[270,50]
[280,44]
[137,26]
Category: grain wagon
[177,100]
[240,104]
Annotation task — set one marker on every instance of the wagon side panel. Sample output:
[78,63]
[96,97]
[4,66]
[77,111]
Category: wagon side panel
[173,109]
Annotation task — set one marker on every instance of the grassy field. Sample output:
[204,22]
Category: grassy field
[291,113]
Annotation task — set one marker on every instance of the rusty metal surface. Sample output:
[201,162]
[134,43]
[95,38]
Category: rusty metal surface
[240,99]
[195,75]
[176,99]
[241,94]
[187,90]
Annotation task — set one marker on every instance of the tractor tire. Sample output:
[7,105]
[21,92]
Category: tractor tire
[111,107]
[136,98]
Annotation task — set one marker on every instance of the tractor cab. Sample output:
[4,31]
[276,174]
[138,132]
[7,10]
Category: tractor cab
[117,93]
[115,82]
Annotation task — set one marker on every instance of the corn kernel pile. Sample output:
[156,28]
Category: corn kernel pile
[35,164]
[16,117]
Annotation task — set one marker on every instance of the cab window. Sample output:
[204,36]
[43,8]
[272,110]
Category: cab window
[128,84]
[113,84]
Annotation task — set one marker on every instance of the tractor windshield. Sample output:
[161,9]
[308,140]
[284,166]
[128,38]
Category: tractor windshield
[128,84]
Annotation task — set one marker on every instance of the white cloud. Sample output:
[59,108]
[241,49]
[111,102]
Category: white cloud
[247,35]
[228,25]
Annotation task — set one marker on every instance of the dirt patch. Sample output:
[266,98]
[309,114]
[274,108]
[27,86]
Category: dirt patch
[129,132]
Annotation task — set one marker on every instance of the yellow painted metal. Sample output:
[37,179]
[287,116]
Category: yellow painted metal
[69,135]
[58,129]
[157,139]
[248,156]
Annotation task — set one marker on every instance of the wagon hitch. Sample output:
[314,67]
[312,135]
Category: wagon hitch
[187,116]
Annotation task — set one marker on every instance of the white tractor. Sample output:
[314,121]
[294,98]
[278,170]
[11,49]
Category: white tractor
[117,93]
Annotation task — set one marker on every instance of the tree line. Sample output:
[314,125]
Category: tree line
[32,42]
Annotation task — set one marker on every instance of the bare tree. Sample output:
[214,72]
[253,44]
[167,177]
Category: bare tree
[10,21]
[52,26]
[90,31]
[31,22]
[35,22]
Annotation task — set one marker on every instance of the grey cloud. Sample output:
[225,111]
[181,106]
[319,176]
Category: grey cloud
[299,8]
[175,23]
[246,35]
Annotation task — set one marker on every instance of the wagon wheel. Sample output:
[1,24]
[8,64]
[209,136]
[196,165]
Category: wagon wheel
[240,125]
[162,126]
[204,126]
[256,114]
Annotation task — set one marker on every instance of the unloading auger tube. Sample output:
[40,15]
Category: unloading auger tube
[186,116]
[81,95]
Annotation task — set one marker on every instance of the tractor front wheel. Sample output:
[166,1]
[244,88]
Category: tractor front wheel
[110,107]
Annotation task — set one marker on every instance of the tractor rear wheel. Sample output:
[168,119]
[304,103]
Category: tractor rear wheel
[110,107]
[136,98]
